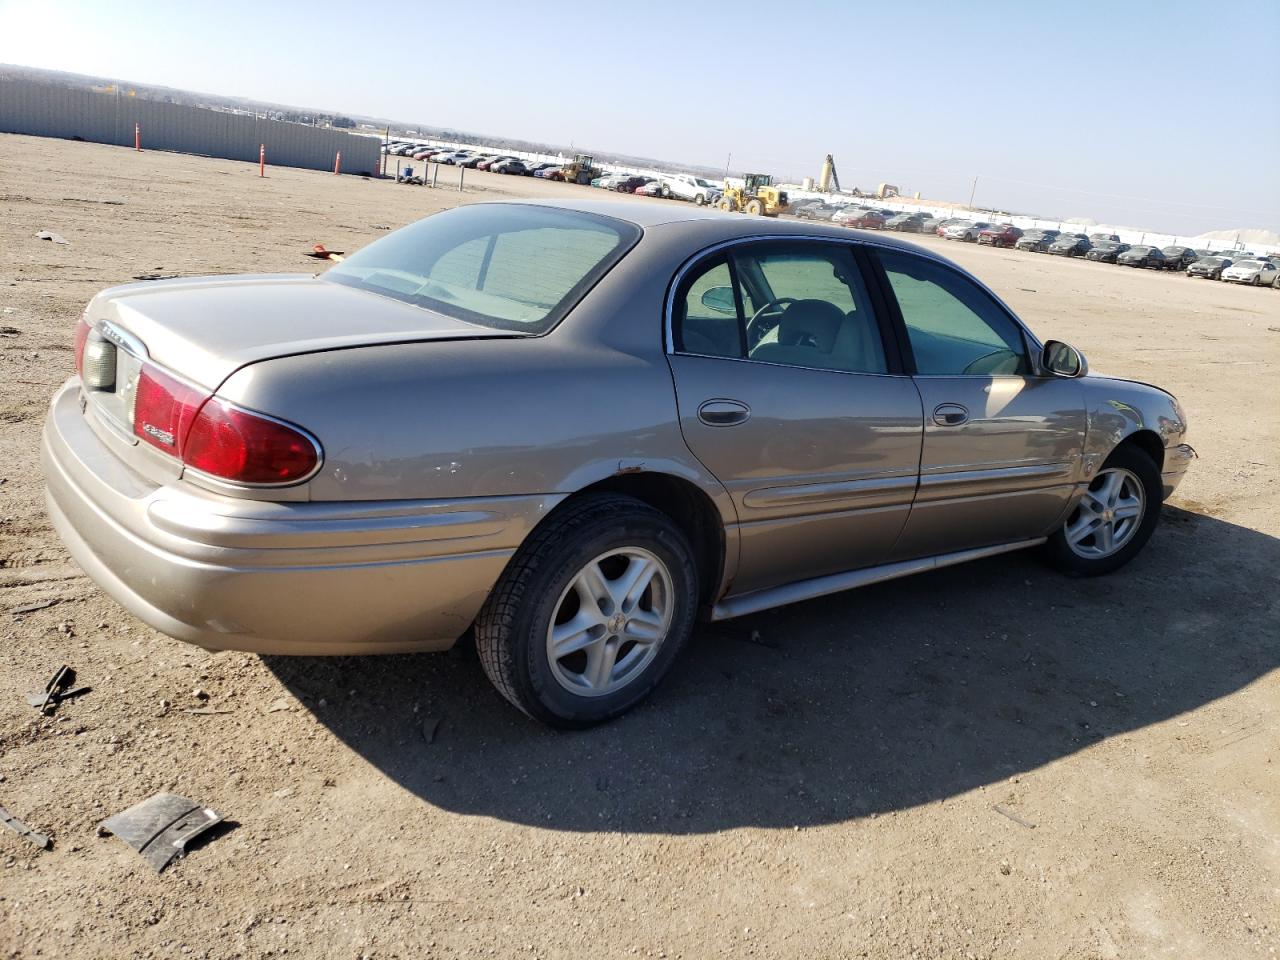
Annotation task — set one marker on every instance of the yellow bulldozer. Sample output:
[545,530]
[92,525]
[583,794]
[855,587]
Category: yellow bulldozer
[757,195]
[582,171]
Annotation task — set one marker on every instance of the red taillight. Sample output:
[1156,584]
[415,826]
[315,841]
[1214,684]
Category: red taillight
[82,337]
[210,435]
[164,408]
[245,448]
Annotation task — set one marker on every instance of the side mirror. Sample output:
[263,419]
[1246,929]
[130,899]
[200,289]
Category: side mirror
[1063,360]
[720,299]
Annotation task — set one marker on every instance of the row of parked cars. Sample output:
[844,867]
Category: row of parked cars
[674,186]
[1233,267]
[475,160]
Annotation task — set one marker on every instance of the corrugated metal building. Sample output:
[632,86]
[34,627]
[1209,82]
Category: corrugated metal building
[49,110]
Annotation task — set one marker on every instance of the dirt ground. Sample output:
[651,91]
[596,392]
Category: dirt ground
[987,761]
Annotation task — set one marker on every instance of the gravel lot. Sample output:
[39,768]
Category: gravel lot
[987,761]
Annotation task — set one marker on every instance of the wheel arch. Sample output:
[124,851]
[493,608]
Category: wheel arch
[684,502]
[1149,442]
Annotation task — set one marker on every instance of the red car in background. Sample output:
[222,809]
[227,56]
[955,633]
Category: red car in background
[1000,235]
[860,219]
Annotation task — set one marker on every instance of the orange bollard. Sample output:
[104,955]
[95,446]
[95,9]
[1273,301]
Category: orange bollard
[337,163]
[262,159]
[137,137]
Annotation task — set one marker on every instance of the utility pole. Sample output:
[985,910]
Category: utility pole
[972,191]
[727,161]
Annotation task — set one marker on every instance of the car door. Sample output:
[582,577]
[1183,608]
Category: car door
[1002,445]
[788,395]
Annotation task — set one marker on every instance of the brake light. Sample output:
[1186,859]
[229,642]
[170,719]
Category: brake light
[163,409]
[211,435]
[244,447]
[82,337]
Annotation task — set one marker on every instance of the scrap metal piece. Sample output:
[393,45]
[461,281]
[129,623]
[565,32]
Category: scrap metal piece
[22,830]
[160,828]
[55,691]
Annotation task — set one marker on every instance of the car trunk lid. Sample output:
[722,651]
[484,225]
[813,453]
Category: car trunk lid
[206,328]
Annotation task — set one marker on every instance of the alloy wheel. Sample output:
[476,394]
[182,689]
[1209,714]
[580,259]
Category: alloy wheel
[610,621]
[1108,514]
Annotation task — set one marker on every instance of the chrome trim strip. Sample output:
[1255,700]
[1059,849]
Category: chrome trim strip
[965,483]
[838,582]
[865,492]
[124,340]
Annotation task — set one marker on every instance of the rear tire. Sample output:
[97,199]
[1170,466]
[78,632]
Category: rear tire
[567,588]
[1113,520]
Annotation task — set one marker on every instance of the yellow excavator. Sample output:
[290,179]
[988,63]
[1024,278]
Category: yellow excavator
[757,195]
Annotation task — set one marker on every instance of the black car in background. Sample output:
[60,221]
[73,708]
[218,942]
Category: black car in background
[1096,237]
[1106,251]
[1070,245]
[931,224]
[906,223]
[1142,256]
[1209,267]
[1178,258]
[1037,241]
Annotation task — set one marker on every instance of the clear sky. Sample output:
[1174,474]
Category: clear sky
[1158,114]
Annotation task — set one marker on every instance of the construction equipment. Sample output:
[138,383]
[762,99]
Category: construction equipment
[757,195]
[582,171]
[828,179]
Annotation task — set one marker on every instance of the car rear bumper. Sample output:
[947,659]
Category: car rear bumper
[269,577]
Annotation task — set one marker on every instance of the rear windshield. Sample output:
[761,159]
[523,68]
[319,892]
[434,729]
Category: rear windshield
[507,266]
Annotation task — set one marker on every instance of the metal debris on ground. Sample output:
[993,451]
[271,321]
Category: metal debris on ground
[320,252]
[33,607]
[160,828]
[56,238]
[56,690]
[205,711]
[22,830]
[156,276]
[1014,817]
[10,332]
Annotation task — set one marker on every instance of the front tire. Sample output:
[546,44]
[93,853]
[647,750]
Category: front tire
[590,613]
[1113,520]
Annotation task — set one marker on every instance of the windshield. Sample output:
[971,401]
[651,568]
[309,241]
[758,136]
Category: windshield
[1248,264]
[506,266]
[1141,250]
[703,183]
[1213,261]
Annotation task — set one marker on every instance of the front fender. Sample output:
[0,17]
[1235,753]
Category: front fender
[1119,409]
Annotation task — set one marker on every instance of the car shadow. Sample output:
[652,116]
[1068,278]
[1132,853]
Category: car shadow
[855,704]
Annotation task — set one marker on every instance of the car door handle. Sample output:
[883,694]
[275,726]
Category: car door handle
[950,415]
[723,413]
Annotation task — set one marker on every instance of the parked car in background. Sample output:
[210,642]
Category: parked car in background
[1254,272]
[931,225]
[1210,268]
[685,186]
[240,479]
[1037,240]
[1000,235]
[859,218]
[966,230]
[1142,255]
[906,223]
[654,188]
[1099,237]
[629,184]
[511,167]
[1070,245]
[1178,258]
[1106,251]
[818,210]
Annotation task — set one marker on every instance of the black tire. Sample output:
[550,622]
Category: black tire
[1059,553]
[511,629]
